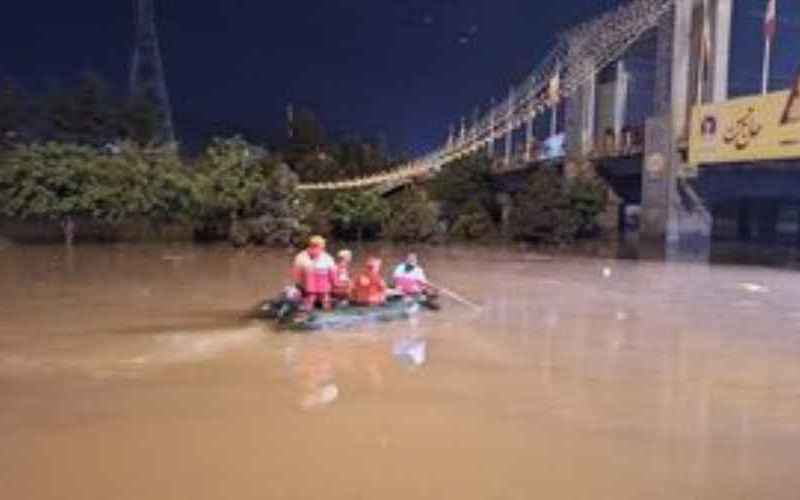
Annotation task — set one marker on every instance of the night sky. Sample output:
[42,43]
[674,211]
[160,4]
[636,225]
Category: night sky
[402,68]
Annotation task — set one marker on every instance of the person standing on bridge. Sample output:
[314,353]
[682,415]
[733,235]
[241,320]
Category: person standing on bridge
[314,272]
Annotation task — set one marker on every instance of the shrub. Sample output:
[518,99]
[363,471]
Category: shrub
[65,182]
[232,174]
[462,183]
[473,223]
[357,214]
[411,216]
[588,199]
[550,211]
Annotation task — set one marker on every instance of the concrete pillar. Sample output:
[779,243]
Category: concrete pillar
[673,210]
[655,181]
[463,134]
[589,133]
[506,206]
[580,121]
[689,222]
[528,137]
[682,62]
[620,101]
[722,49]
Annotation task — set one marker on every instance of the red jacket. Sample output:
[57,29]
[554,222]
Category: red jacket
[314,275]
[369,289]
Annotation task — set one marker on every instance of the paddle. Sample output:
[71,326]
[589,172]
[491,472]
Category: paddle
[458,298]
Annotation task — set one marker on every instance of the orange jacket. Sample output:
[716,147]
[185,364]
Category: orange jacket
[369,289]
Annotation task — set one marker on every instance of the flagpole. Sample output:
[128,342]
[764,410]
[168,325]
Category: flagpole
[766,68]
[770,21]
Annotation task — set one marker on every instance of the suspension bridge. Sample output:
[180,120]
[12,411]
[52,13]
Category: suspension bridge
[577,57]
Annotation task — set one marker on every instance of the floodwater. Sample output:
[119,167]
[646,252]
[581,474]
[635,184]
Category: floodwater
[132,372]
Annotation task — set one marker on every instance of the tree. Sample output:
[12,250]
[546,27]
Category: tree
[86,114]
[14,114]
[278,213]
[474,223]
[463,183]
[356,214]
[307,132]
[69,183]
[232,173]
[550,211]
[411,216]
[149,181]
[588,199]
[316,167]
[52,180]
[139,120]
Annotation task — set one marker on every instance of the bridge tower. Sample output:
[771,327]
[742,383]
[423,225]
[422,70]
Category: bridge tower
[672,210]
[147,70]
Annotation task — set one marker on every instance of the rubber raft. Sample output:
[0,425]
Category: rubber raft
[286,314]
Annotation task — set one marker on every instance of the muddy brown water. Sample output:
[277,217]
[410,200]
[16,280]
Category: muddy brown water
[129,372]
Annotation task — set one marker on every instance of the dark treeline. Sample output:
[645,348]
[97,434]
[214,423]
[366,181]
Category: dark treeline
[85,156]
[315,157]
[88,112]
[91,112]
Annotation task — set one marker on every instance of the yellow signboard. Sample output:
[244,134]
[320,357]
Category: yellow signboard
[747,129]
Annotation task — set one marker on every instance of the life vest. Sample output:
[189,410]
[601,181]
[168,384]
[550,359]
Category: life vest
[369,289]
[409,281]
[342,285]
[315,275]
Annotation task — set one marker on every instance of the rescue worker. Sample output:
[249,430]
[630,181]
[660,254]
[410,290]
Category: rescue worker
[314,272]
[369,288]
[410,278]
[343,284]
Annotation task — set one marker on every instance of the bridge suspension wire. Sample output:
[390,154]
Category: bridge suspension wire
[579,54]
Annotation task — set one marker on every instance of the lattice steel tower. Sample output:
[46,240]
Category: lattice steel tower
[147,70]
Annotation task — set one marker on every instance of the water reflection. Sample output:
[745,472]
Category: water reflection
[410,352]
[326,368]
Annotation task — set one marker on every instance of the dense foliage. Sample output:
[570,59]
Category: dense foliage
[231,174]
[467,196]
[87,113]
[411,217]
[358,214]
[552,210]
[64,181]
[473,223]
